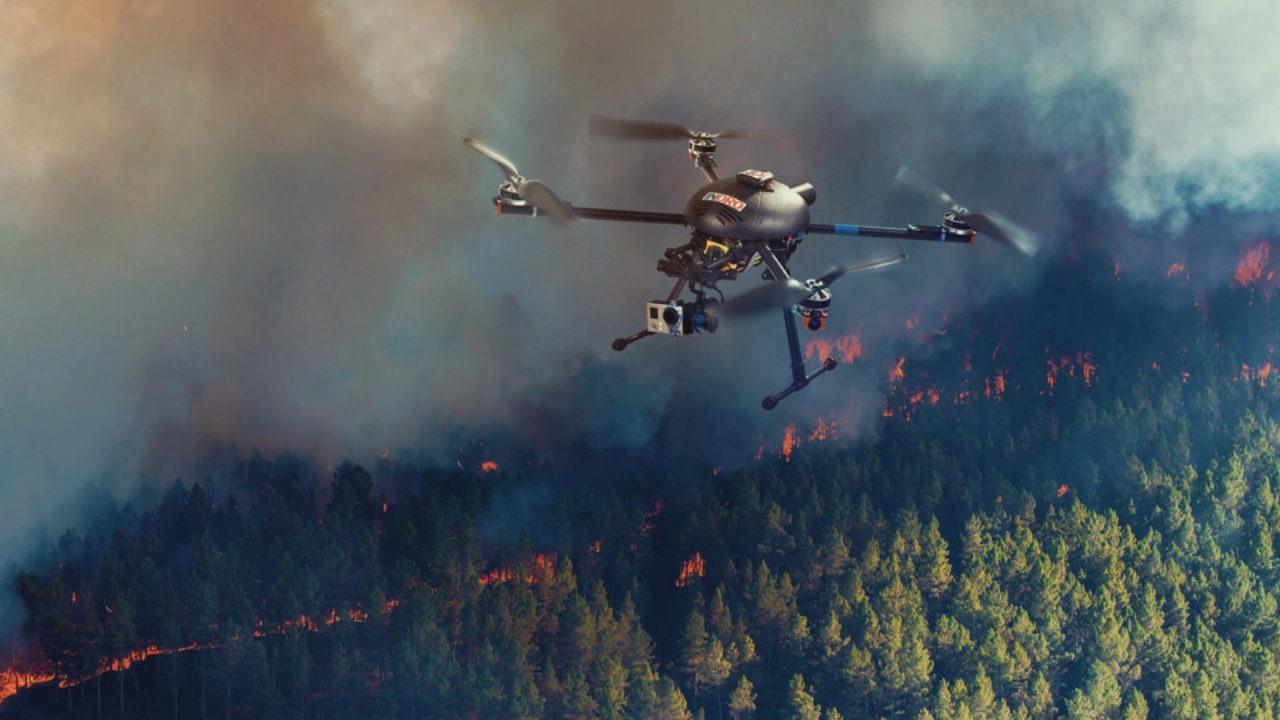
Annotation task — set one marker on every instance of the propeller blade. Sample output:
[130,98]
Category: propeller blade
[863,267]
[985,222]
[756,135]
[911,178]
[537,192]
[508,167]
[657,130]
[1002,230]
[770,296]
[638,129]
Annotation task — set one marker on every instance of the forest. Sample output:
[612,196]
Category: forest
[1068,509]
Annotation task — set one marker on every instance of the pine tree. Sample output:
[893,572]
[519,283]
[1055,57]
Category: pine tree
[800,703]
[742,701]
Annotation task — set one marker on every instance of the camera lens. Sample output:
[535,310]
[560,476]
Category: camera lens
[671,316]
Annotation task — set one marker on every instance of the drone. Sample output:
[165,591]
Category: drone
[739,222]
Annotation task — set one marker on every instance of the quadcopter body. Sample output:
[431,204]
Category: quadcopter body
[736,223]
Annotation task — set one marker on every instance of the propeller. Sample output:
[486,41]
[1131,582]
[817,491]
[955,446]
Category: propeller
[984,222]
[777,294]
[657,130]
[534,191]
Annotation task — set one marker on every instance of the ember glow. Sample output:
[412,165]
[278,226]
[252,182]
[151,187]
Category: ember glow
[488,466]
[692,569]
[847,348]
[1178,269]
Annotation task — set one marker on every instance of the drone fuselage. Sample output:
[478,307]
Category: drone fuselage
[751,205]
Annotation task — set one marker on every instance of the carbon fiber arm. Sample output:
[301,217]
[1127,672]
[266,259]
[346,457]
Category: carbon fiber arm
[936,233]
[587,213]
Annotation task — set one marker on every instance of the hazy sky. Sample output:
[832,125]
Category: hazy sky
[255,223]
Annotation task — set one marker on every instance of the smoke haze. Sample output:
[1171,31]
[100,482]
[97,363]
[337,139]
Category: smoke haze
[254,224]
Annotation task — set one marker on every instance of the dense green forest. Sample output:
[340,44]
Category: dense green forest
[1083,545]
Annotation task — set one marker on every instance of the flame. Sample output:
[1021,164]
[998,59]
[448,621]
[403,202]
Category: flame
[488,466]
[1080,365]
[541,567]
[692,569]
[597,546]
[1178,268]
[1258,374]
[995,386]
[15,679]
[788,442]
[823,431]
[1063,489]
[897,372]
[1252,266]
[847,348]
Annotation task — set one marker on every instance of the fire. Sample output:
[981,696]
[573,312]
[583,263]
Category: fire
[913,321]
[788,442]
[488,466]
[1258,374]
[1080,365]
[823,431]
[15,679]
[1178,268]
[541,567]
[1063,489]
[692,569]
[995,386]
[847,348]
[897,372]
[1252,266]
[597,546]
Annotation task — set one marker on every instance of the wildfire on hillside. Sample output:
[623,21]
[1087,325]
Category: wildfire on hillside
[1079,365]
[540,568]
[1259,374]
[788,442]
[20,676]
[897,373]
[846,347]
[692,569]
[1253,267]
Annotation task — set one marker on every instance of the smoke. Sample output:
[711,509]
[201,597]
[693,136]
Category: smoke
[254,224]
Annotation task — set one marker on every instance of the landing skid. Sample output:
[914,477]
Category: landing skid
[799,377]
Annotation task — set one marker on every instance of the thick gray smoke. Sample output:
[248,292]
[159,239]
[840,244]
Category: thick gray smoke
[255,224]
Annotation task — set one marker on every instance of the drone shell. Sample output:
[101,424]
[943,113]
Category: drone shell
[732,208]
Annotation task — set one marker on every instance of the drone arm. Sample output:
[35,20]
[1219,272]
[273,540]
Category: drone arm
[936,233]
[586,213]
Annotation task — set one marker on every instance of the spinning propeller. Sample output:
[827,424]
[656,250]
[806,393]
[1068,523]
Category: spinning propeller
[534,191]
[778,294]
[656,130]
[985,222]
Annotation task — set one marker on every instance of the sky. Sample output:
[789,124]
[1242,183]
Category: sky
[255,224]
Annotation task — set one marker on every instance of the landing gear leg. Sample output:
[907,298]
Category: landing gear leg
[622,343]
[799,379]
